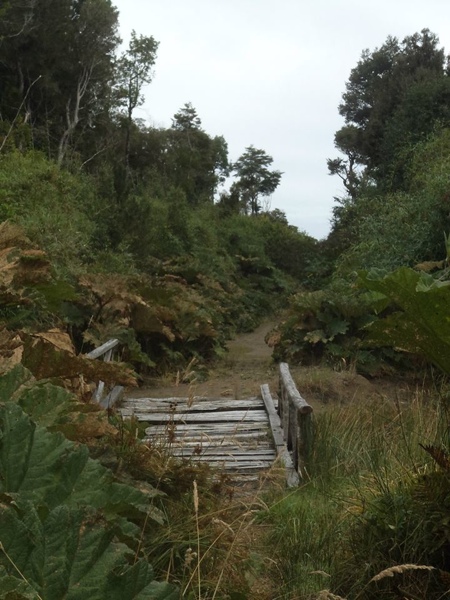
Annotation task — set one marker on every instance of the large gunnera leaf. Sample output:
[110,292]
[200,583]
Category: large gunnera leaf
[53,406]
[54,541]
[44,402]
[420,322]
[47,468]
[71,554]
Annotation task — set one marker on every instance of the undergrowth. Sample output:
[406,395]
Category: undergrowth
[378,497]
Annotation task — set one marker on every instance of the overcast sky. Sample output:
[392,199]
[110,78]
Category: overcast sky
[271,73]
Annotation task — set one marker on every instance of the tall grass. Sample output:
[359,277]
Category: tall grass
[375,499]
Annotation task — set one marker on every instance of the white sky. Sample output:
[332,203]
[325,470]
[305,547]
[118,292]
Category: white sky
[271,73]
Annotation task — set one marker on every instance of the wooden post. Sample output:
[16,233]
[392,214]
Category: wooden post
[106,350]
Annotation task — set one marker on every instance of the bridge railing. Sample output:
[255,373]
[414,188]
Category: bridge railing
[296,421]
[106,398]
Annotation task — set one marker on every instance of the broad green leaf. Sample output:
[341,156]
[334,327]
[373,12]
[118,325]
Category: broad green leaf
[12,588]
[12,381]
[44,402]
[52,406]
[421,322]
[70,554]
[48,468]
[316,336]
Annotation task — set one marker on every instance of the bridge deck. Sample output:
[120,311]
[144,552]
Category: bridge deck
[232,435]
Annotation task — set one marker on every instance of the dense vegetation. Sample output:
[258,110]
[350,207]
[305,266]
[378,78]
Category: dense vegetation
[143,239]
[374,514]
[394,165]
[111,228]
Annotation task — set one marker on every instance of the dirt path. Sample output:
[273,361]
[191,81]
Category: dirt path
[248,364]
[239,374]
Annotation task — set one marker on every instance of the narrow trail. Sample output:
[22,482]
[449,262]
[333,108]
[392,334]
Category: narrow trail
[223,421]
[238,374]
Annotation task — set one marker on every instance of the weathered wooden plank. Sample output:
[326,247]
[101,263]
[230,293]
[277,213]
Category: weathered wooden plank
[254,466]
[113,398]
[292,477]
[217,417]
[230,462]
[257,462]
[254,437]
[196,399]
[214,452]
[224,447]
[137,405]
[103,349]
[288,383]
[205,428]
[274,419]
[99,391]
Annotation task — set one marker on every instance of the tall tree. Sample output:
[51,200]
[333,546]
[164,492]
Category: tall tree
[58,69]
[255,179]
[196,162]
[393,98]
[134,71]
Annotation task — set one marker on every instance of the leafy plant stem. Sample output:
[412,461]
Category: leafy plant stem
[2,548]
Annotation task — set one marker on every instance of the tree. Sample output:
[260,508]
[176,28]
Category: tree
[255,178]
[393,98]
[134,71]
[196,162]
[57,70]
[345,141]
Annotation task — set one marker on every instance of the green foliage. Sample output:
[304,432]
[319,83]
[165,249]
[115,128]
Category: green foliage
[374,500]
[289,249]
[394,230]
[195,162]
[395,170]
[394,96]
[305,527]
[255,179]
[418,320]
[69,553]
[326,324]
[57,67]
[52,206]
[387,231]
[64,516]
[47,468]
[134,70]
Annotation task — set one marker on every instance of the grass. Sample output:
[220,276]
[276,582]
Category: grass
[375,499]
[376,502]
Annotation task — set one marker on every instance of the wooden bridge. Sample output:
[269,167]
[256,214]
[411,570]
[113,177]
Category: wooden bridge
[242,438]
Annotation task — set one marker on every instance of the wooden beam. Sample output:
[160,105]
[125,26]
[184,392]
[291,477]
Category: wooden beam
[182,405]
[103,349]
[113,398]
[233,416]
[292,477]
[286,379]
